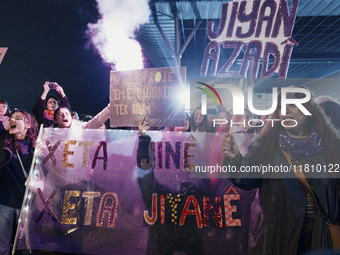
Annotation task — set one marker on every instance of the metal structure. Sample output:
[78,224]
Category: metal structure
[176,35]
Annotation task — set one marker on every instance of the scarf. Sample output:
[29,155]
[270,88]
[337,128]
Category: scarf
[309,146]
[5,121]
[49,114]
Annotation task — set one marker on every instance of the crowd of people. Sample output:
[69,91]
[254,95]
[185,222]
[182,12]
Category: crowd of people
[18,134]
[285,218]
[291,215]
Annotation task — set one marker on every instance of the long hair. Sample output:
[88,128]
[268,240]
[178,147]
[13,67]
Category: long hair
[58,101]
[331,109]
[5,103]
[203,126]
[187,115]
[266,142]
[31,134]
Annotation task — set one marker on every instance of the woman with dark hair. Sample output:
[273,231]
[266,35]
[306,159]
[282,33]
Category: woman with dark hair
[285,218]
[331,108]
[16,154]
[224,115]
[4,114]
[186,127]
[199,122]
[63,119]
[44,108]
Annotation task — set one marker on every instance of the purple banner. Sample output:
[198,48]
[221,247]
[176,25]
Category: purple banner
[87,195]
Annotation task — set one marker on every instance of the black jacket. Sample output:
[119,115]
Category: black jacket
[279,208]
[12,179]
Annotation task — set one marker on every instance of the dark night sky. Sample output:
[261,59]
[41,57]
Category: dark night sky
[46,40]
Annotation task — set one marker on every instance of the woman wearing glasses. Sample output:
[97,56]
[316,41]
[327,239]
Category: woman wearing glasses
[16,153]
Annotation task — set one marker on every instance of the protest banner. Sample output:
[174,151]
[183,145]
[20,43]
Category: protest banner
[150,93]
[265,27]
[87,195]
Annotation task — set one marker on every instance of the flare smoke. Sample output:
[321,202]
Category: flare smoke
[113,34]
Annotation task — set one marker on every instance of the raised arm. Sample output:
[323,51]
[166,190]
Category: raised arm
[39,106]
[99,119]
[234,158]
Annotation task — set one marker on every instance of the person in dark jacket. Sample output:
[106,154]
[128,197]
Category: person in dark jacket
[166,238]
[4,114]
[199,122]
[285,218]
[16,154]
[44,108]
[331,108]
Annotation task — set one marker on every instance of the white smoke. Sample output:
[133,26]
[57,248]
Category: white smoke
[113,34]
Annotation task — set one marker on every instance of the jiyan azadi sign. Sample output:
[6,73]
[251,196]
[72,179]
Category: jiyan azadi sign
[264,27]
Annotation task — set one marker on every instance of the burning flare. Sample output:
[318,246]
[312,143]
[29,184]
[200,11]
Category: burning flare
[113,34]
